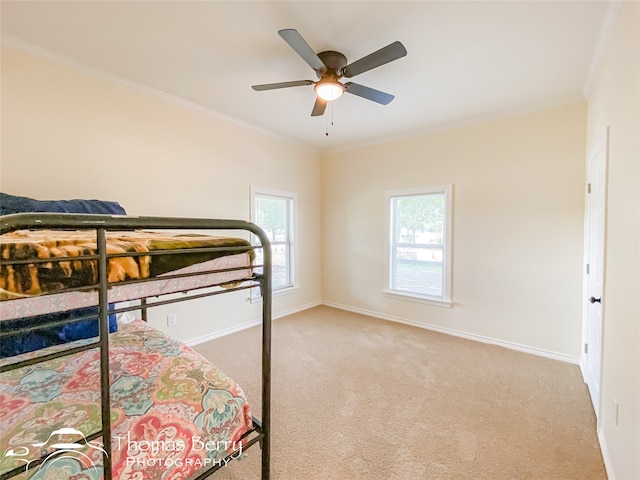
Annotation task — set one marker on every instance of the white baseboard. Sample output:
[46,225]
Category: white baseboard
[222,333]
[253,323]
[470,336]
[291,311]
[605,456]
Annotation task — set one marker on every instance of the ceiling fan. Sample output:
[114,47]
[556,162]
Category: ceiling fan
[331,66]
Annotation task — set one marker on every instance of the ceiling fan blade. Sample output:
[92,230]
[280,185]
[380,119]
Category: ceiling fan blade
[368,93]
[318,107]
[272,86]
[302,48]
[387,54]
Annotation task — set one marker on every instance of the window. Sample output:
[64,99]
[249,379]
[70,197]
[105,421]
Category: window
[420,243]
[273,211]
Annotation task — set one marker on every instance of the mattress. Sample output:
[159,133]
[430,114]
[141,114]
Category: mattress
[223,271]
[173,412]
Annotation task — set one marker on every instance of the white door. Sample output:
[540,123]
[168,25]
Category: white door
[595,229]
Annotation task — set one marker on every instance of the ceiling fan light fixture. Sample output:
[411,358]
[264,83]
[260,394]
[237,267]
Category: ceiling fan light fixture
[329,91]
[330,66]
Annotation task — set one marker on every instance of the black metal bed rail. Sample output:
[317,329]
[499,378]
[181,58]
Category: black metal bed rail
[104,223]
[94,287]
[246,443]
[13,331]
[7,367]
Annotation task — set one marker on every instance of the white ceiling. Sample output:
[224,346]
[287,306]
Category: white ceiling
[466,60]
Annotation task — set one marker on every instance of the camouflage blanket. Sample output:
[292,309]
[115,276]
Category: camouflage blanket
[30,279]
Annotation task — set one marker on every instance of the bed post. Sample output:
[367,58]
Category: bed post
[143,309]
[265,290]
[105,388]
[266,376]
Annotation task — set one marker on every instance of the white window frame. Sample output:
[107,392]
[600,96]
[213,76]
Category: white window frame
[445,299]
[292,235]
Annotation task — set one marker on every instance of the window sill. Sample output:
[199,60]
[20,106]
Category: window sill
[419,298]
[277,293]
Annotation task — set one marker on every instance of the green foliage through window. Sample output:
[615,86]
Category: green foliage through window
[419,214]
[272,216]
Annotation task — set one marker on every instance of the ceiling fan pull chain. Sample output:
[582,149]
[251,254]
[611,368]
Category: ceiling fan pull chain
[329,123]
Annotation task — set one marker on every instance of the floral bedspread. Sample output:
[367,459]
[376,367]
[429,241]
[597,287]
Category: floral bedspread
[172,412]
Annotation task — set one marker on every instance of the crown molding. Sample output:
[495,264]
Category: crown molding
[115,79]
[604,37]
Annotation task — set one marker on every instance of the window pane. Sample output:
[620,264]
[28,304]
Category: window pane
[273,213]
[418,270]
[280,272]
[419,219]
[272,217]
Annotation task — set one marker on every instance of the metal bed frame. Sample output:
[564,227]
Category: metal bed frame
[260,432]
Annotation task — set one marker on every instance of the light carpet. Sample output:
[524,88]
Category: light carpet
[355,397]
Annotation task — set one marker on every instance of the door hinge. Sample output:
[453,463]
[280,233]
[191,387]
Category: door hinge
[588,269]
[588,188]
[586,348]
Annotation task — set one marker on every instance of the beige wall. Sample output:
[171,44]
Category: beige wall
[67,133]
[614,101]
[518,204]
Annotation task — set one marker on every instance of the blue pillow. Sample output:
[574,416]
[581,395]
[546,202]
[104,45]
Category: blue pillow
[48,336]
[14,204]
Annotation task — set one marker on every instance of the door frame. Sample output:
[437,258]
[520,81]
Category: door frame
[601,146]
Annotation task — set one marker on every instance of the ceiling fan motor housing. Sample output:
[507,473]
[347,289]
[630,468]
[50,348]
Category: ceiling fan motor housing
[335,62]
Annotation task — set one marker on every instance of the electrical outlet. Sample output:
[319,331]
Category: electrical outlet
[172,320]
[364,292]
